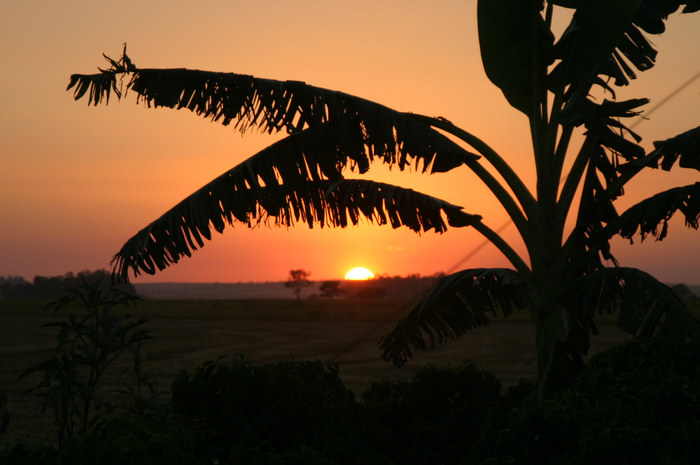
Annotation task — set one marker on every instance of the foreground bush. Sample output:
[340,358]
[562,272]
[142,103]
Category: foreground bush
[4,416]
[290,409]
[145,440]
[433,418]
[636,403]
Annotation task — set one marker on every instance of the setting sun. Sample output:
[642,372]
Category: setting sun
[359,274]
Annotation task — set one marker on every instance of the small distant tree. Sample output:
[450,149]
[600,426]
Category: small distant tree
[331,289]
[298,280]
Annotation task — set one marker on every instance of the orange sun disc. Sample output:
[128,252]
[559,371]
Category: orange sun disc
[359,274]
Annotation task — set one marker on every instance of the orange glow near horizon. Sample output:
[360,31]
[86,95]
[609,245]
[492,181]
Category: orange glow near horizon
[78,181]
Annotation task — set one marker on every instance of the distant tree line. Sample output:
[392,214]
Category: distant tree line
[54,287]
[383,286]
[12,280]
[391,287]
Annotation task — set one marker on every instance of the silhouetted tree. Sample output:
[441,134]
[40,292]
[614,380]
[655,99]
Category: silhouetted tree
[562,85]
[331,289]
[298,280]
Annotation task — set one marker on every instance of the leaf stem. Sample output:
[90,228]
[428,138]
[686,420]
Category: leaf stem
[522,194]
[561,149]
[573,179]
[514,212]
[503,246]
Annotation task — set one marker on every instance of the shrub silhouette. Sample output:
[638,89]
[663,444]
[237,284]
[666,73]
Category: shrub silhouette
[636,403]
[276,409]
[88,344]
[433,418]
[146,441]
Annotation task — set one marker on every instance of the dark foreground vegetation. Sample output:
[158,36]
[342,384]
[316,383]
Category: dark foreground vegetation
[637,402]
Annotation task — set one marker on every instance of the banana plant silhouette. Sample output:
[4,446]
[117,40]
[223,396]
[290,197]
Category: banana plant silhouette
[562,85]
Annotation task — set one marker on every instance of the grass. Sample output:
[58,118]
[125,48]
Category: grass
[343,332]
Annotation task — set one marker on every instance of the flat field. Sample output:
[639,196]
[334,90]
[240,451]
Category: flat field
[187,333]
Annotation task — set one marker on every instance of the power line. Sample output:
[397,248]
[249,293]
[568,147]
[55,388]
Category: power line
[666,99]
[476,249]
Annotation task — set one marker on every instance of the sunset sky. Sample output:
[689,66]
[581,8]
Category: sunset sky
[76,181]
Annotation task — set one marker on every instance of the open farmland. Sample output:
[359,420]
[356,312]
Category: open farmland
[188,333]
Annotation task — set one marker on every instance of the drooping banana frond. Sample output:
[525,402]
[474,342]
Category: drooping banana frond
[457,303]
[651,216]
[646,306]
[291,106]
[589,241]
[603,126]
[183,228]
[651,14]
[598,220]
[684,146]
[397,206]
[606,38]
[607,141]
[592,41]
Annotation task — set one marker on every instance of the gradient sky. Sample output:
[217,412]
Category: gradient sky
[77,182]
